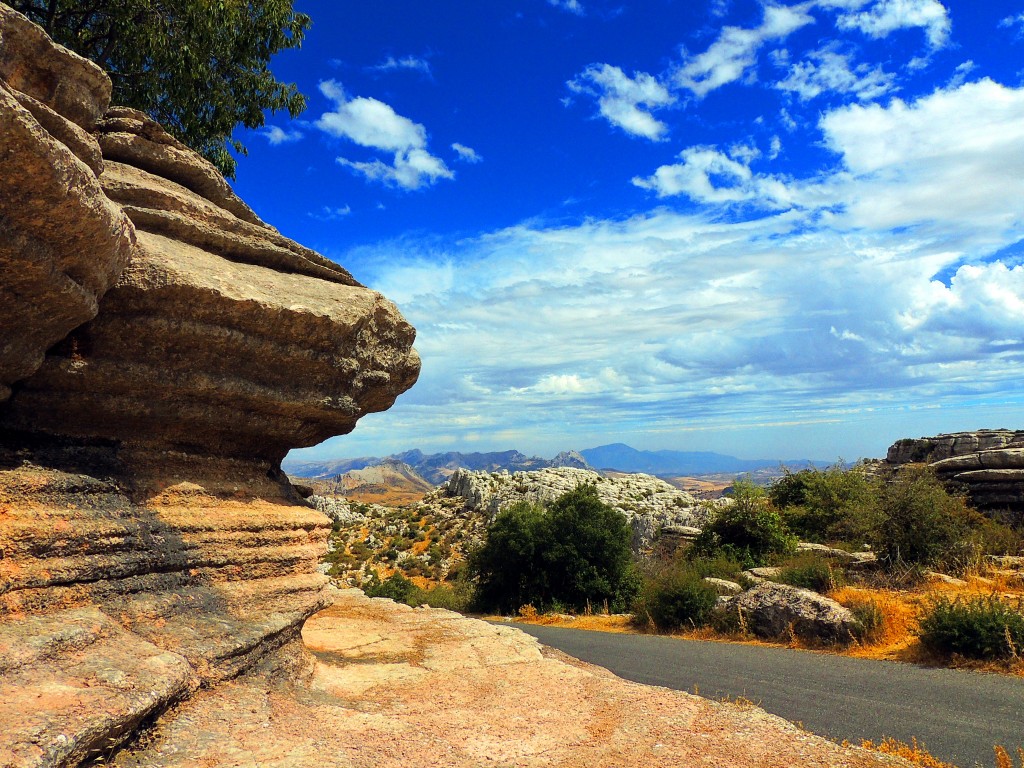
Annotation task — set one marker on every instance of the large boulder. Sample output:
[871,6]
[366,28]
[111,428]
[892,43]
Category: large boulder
[62,242]
[773,611]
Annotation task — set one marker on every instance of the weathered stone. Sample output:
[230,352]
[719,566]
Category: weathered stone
[773,610]
[132,137]
[724,586]
[62,243]
[931,449]
[830,552]
[397,687]
[62,80]
[74,685]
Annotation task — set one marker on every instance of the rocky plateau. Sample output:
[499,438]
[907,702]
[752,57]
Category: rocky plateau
[987,464]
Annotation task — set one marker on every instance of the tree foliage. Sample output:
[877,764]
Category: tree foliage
[835,504]
[199,67]
[573,553]
[749,530]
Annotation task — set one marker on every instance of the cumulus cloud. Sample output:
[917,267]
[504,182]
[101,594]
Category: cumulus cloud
[734,53]
[887,16]
[626,102]
[1011,22]
[276,135]
[466,154]
[374,124]
[828,71]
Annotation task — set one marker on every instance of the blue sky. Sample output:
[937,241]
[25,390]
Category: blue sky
[760,228]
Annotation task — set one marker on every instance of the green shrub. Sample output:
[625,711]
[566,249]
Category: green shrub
[750,530]
[835,504]
[720,566]
[395,586]
[575,552]
[920,523]
[810,571]
[678,598]
[978,628]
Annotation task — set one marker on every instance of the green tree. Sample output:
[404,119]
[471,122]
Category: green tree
[573,553]
[199,67]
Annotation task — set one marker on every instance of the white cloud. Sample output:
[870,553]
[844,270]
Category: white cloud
[709,176]
[734,53]
[413,63]
[887,16]
[828,71]
[572,6]
[1014,21]
[374,124]
[620,98]
[277,136]
[466,154]
[775,149]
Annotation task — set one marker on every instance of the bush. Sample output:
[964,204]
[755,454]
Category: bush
[978,628]
[749,530]
[576,553]
[834,504]
[920,523]
[809,571]
[678,598]
[395,586]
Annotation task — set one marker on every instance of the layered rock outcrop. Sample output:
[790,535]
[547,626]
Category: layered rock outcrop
[988,464]
[161,349]
[62,242]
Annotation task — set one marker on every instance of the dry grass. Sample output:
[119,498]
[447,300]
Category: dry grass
[914,753]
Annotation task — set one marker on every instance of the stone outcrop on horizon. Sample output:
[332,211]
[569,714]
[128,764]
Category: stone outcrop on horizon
[162,349]
[988,464]
[648,503]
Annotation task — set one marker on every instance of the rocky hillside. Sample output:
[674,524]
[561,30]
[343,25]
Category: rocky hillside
[988,464]
[647,502]
[161,349]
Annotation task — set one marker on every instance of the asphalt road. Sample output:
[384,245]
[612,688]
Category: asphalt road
[958,715]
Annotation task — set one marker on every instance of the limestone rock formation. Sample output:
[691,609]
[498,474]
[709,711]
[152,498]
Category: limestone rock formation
[62,242]
[988,464]
[160,350]
[648,503]
[221,337]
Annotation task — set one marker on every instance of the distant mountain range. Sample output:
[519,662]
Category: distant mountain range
[627,459]
[437,467]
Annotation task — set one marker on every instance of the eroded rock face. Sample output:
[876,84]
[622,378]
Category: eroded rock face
[62,242]
[648,503]
[987,464]
[222,337]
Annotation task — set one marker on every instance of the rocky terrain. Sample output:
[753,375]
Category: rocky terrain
[988,464]
[162,350]
[648,503]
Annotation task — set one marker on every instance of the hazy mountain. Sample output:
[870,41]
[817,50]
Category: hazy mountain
[437,467]
[627,459]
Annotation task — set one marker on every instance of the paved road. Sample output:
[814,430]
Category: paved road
[959,715]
